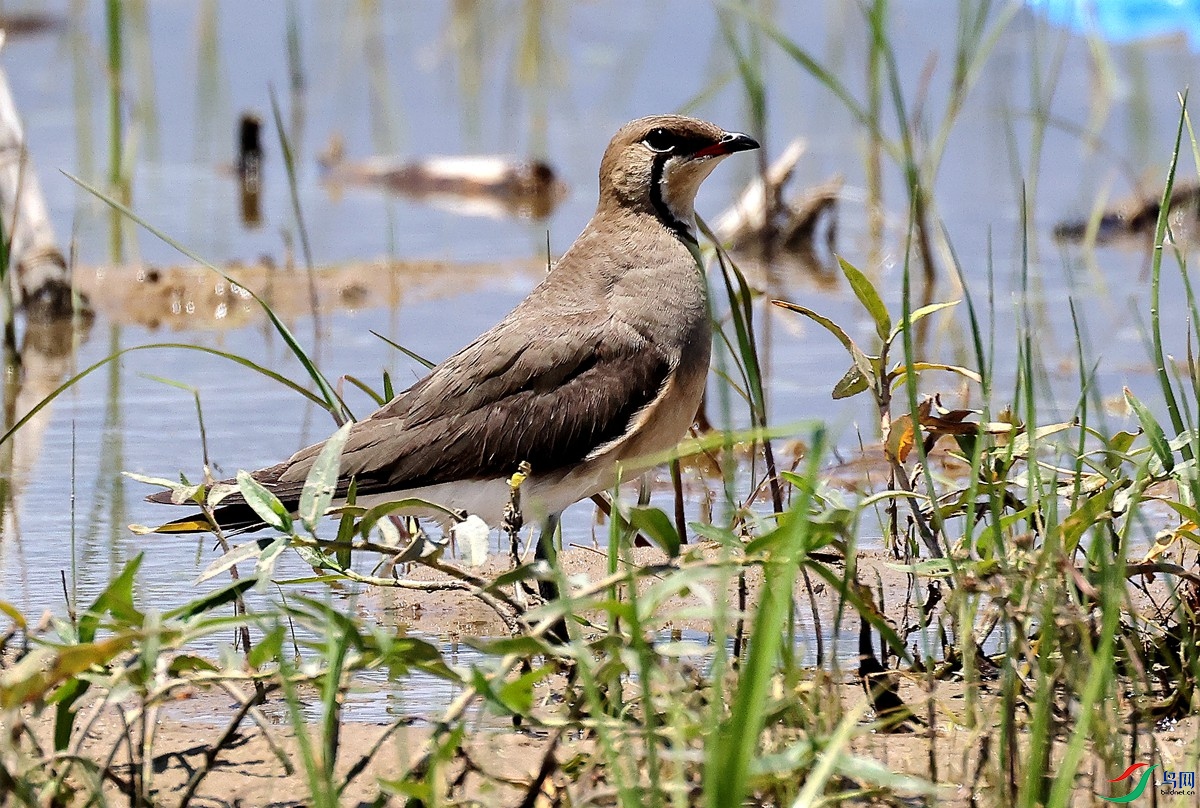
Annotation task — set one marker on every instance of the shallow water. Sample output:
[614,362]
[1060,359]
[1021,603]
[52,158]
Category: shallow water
[470,77]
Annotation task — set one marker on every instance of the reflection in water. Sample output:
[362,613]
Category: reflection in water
[249,169]
[297,82]
[79,45]
[1133,222]
[104,522]
[143,103]
[45,359]
[539,69]
[384,110]
[212,91]
[38,284]
[469,32]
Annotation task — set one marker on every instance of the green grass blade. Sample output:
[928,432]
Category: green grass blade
[1160,234]
[416,357]
[332,402]
[731,752]
[157,345]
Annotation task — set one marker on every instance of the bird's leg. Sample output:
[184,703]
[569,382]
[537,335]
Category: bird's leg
[546,551]
[548,589]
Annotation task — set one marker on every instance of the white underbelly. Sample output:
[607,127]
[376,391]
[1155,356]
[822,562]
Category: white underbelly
[487,499]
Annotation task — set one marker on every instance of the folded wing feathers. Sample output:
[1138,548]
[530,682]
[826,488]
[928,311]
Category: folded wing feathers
[550,406]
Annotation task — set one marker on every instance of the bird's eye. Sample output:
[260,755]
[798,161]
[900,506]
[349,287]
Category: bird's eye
[659,140]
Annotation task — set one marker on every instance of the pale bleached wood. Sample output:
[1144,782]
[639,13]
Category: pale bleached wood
[747,217]
[762,218]
[41,280]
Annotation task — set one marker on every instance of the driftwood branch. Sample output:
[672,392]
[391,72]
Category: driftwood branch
[42,280]
[477,184]
[763,217]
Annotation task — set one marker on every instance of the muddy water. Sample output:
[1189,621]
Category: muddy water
[551,80]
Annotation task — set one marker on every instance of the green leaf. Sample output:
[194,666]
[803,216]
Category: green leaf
[321,483]
[345,534]
[159,481]
[721,535]
[429,365]
[657,527]
[902,370]
[1084,517]
[71,382]
[218,493]
[861,360]
[1117,447]
[213,600]
[729,750]
[372,516]
[1154,432]
[866,293]
[264,567]
[1186,511]
[932,568]
[13,614]
[405,653]
[266,650]
[827,78]
[243,552]
[317,559]
[672,584]
[264,503]
[522,645]
[116,600]
[517,695]
[853,383]
[919,314]
[524,572]
[188,663]
[1022,443]
[46,668]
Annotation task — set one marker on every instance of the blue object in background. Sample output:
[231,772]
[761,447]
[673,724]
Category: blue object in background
[1124,20]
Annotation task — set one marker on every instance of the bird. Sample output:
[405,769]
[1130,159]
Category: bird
[605,362]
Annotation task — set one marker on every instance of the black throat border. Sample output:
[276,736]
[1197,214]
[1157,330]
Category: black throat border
[660,205]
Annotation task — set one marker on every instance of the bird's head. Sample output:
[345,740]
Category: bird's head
[657,163]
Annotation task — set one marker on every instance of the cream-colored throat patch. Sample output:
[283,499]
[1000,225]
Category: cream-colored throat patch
[681,179]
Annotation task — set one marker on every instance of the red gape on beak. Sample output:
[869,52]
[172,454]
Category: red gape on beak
[730,143]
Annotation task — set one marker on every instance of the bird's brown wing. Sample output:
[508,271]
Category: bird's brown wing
[506,398]
[549,411]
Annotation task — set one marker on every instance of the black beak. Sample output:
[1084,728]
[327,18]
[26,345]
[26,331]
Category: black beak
[729,143]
